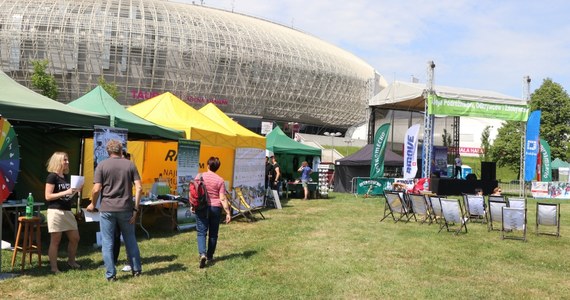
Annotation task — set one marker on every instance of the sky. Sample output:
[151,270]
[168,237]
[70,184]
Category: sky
[483,44]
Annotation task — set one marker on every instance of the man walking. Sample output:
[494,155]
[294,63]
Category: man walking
[458,170]
[113,180]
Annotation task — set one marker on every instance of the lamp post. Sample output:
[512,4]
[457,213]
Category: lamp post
[348,143]
[332,135]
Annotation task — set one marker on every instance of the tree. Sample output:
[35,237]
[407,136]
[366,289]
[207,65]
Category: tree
[110,88]
[507,146]
[485,144]
[554,103]
[43,81]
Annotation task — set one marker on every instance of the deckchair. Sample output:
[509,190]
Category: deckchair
[495,213]
[496,198]
[395,205]
[516,202]
[247,203]
[453,215]
[514,221]
[420,207]
[475,207]
[435,206]
[548,214]
[238,209]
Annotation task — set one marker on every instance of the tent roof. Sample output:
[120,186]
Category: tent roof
[169,111]
[558,163]
[245,137]
[100,102]
[278,142]
[364,157]
[17,102]
[410,96]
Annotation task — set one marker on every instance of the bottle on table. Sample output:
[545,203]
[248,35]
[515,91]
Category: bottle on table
[30,206]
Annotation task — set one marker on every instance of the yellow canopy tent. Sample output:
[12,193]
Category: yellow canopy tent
[160,158]
[245,138]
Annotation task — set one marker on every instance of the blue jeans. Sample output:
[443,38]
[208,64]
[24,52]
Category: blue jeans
[208,222]
[110,222]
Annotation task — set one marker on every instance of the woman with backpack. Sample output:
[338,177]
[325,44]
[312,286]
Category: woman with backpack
[208,218]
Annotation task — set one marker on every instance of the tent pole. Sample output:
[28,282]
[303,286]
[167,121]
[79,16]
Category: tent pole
[428,124]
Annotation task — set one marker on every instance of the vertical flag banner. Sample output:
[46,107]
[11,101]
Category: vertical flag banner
[546,170]
[532,145]
[411,152]
[380,139]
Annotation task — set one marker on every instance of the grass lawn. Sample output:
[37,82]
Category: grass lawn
[332,248]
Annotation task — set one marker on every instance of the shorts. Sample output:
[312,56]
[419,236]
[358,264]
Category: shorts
[304,183]
[60,220]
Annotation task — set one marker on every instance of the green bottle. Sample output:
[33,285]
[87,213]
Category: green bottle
[30,206]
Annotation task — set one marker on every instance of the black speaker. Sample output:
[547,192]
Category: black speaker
[488,170]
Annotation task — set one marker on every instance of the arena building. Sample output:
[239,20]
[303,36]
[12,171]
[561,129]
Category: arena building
[249,67]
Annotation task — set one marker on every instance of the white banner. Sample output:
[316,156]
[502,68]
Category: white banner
[249,174]
[411,152]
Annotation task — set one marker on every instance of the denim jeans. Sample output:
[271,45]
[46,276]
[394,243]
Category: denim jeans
[110,222]
[208,223]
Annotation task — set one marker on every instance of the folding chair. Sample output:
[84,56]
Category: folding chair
[395,205]
[420,207]
[453,214]
[435,206]
[514,220]
[516,202]
[496,198]
[548,214]
[475,207]
[495,213]
[247,204]
[239,210]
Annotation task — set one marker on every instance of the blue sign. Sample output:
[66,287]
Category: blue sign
[532,145]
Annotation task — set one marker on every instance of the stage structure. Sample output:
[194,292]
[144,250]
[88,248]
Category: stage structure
[444,101]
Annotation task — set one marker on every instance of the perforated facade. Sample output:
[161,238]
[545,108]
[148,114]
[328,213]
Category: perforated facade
[247,66]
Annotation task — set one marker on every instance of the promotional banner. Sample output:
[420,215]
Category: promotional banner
[249,174]
[377,163]
[101,135]
[546,170]
[550,190]
[188,165]
[411,151]
[455,107]
[439,161]
[369,186]
[532,145]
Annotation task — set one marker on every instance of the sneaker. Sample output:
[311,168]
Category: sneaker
[203,260]
[112,279]
[137,273]
[126,268]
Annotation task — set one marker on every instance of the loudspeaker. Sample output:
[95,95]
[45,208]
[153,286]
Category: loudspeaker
[488,170]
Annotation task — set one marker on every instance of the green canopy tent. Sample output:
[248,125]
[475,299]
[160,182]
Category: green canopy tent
[100,102]
[289,153]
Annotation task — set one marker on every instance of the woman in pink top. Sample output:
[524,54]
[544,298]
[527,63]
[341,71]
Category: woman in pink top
[208,220]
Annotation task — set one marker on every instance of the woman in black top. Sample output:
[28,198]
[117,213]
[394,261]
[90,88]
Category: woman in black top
[58,196]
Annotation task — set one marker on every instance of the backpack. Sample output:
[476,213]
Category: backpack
[198,193]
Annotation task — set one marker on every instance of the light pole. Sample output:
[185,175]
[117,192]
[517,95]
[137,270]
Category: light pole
[348,143]
[332,135]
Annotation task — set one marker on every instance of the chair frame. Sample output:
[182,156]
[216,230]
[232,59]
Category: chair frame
[491,218]
[463,218]
[420,206]
[246,204]
[235,205]
[401,210]
[437,214]
[557,205]
[469,204]
[504,230]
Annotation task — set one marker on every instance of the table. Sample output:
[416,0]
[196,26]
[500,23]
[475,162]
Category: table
[297,189]
[147,204]
[17,207]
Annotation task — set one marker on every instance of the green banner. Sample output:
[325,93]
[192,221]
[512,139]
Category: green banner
[546,170]
[455,107]
[377,163]
[372,186]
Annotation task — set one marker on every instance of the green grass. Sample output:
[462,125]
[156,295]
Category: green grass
[332,248]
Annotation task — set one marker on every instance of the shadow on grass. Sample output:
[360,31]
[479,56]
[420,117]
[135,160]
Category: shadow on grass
[244,254]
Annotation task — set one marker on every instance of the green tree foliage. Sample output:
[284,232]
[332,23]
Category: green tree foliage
[507,146]
[485,144]
[110,88]
[43,81]
[554,102]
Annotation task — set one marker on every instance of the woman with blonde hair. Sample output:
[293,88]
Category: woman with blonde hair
[58,195]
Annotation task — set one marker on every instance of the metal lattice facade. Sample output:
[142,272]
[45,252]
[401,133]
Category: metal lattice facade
[245,65]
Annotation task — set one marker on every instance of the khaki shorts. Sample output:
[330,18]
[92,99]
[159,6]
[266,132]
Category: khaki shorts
[60,220]
[304,183]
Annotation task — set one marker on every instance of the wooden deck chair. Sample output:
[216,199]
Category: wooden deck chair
[238,210]
[395,205]
[514,221]
[453,215]
[548,214]
[420,207]
[495,213]
[516,202]
[496,198]
[475,207]
[247,203]
[435,206]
